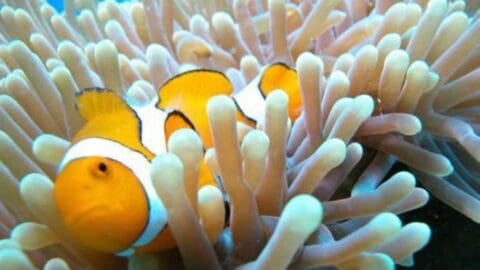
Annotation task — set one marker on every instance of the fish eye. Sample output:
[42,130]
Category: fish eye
[100,169]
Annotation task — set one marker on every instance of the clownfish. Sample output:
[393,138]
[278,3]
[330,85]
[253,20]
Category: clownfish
[103,190]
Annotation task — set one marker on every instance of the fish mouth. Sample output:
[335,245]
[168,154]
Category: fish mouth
[87,215]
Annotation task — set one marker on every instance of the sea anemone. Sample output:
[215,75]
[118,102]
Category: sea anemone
[380,81]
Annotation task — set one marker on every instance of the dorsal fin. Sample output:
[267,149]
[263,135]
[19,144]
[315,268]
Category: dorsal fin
[176,120]
[107,115]
[95,101]
[189,93]
[281,76]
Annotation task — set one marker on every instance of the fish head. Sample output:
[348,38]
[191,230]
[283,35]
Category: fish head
[101,202]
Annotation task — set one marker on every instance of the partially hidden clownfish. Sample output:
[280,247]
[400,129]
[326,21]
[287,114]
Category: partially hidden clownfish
[103,189]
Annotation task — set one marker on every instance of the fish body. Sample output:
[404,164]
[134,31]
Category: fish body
[103,190]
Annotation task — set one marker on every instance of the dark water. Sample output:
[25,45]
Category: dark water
[455,242]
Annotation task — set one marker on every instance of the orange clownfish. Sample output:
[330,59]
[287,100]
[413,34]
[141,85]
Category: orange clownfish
[103,190]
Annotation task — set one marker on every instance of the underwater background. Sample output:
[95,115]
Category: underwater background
[58,4]
[455,241]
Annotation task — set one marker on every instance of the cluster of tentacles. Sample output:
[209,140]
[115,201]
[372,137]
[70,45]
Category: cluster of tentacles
[380,81]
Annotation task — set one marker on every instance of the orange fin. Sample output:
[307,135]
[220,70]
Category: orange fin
[92,102]
[205,176]
[108,115]
[189,93]
[176,120]
[281,76]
